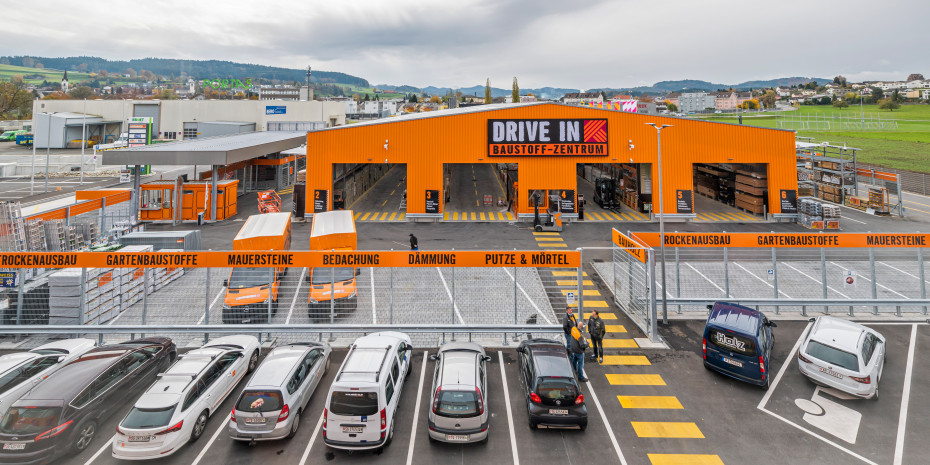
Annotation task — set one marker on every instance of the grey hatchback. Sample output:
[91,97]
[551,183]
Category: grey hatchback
[271,404]
[459,404]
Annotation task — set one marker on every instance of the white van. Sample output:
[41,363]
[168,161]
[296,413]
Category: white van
[363,399]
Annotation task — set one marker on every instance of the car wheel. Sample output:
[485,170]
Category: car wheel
[390,437]
[200,425]
[583,427]
[253,362]
[294,425]
[538,228]
[768,382]
[875,397]
[85,435]
[532,424]
[485,440]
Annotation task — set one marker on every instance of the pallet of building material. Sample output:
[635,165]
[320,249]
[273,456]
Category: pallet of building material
[752,208]
[750,199]
[831,212]
[754,190]
[708,191]
[751,174]
[751,181]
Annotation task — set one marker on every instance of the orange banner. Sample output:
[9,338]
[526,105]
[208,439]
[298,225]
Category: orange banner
[816,240]
[567,259]
[637,250]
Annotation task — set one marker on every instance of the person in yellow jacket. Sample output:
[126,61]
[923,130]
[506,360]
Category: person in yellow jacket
[578,345]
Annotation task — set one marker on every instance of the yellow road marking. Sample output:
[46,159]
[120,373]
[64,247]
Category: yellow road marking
[473,216]
[638,360]
[614,328]
[568,282]
[593,292]
[545,233]
[596,304]
[385,202]
[392,217]
[384,216]
[552,244]
[915,203]
[455,216]
[365,218]
[510,216]
[541,239]
[355,217]
[401,216]
[481,215]
[604,315]
[616,216]
[650,402]
[667,429]
[567,273]
[684,459]
[623,379]
[620,344]
[445,216]
[916,209]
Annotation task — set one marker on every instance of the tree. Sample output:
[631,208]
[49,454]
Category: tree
[915,77]
[28,62]
[840,81]
[877,94]
[888,104]
[672,107]
[515,96]
[841,104]
[15,100]
[356,97]
[131,72]
[769,98]
[896,96]
[82,92]
[367,97]
[82,67]
[851,97]
[487,91]
[435,99]
[825,101]
[413,98]
[40,66]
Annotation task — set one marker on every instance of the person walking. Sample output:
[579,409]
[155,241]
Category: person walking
[414,245]
[568,322]
[597,330]
[578,346]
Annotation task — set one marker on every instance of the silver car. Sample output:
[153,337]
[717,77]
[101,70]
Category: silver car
[843,355]
[458,410]
[271,404]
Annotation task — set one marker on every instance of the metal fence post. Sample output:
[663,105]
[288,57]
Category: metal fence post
[453,301]
[103,215]
[653,318]
[613,259]
[923,282]
[775,279]
[874,284]
[391,317]
[21,277]
[515,304]
[726,272]
[823,277]
[332,300]
[145,292]
[206,308]
[580,283]
[677,278]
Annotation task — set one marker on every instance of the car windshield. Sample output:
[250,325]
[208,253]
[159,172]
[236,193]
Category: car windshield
[30,420]
[833,356]
[556,388]
[353,404]
[148,417]
[260,401]
[732,342]
[325,275]
[242,278]
[457,404]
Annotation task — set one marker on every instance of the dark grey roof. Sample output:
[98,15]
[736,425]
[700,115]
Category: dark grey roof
[220,150]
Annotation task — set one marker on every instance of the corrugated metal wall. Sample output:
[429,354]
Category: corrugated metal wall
[425,144]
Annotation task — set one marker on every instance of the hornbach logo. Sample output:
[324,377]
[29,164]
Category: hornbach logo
[518,137]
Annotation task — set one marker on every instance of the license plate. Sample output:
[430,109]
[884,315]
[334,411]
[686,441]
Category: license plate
[456,437]
[735,363]
[255,420]
[831,372]
[14,445]
[145,438]
[352,429]
[558,411]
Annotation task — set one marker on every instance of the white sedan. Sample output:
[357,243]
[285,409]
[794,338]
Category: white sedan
[175,410]
[20,372]
[843,355]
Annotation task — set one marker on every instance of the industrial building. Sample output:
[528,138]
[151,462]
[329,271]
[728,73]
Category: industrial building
[58,122]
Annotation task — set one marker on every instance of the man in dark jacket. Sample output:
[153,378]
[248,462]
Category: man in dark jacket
[568,322]
[578,346]
[414,245]
[597,330]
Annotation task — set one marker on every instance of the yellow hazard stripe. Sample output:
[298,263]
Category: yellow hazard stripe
[667,429]
[545,233]
[684,459]
[593,292]
[618,379]
[569,282]
[551,239]
[614,328]
[650,402]
[552,244]
[568,273]
[620,344]
[626,360]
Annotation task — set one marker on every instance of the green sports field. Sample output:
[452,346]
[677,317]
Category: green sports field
[51,75]
[907,148]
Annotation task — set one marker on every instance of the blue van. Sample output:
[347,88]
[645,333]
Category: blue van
[738,342]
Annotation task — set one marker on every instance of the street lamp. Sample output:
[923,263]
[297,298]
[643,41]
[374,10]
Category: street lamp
[661,222]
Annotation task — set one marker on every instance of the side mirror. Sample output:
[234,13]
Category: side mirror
[308,278]
[240,355]
[358,272]
[812,319]
[710,307]
[486,358]
[434,357]
[409,348]
[225,283]
[772,324]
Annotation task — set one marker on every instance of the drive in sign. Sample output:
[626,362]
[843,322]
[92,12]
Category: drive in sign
[547,137]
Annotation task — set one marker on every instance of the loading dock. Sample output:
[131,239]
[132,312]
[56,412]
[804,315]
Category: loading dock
[547,142]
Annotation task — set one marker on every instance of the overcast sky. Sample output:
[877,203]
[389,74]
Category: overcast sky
[577,44]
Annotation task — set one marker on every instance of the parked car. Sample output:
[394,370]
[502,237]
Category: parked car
[11,135]
[363,399]
[738,343]
[272,403]
[62,414]
[460,387]
[174,410]
[22,371]
[553,396]
[843,355]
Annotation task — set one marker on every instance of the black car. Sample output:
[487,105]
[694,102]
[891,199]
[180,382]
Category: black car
[61,415]
[553,396]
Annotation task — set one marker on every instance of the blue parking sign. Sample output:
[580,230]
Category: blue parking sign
[7,279]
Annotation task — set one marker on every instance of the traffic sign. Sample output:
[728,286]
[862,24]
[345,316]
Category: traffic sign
[570,298]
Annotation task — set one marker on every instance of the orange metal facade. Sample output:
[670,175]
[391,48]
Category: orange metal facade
[425,144]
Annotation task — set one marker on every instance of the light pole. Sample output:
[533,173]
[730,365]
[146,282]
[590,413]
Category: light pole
[83,138]
[48,138]
[661,218]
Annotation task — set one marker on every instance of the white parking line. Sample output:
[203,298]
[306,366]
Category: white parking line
[705,277]
[222,419]
[538,311]
[416,410]
[222,291]
[610,431]
[319,425]
[513,435]
[906,398]
[455,307]
[900,271]
[374,313]
[815,280]
[877,283]
[300,281]
[760,279]
[108,445]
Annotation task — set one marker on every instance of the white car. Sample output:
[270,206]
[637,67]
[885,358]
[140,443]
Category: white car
[843,355]
[20,372]
[175,410]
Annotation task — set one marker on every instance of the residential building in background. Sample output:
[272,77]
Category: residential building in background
[577,98]
[695,102]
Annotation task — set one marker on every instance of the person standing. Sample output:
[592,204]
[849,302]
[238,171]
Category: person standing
[597,330]
[578,346]
[568,322]
[414,245]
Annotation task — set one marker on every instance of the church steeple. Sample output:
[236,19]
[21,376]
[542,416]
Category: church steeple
[64,83]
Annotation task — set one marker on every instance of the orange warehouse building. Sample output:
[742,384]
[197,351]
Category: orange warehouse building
[549,141]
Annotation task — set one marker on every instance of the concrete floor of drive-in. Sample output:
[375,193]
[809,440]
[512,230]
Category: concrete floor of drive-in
[732,422]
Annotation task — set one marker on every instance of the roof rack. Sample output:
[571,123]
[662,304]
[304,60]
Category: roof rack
[377,373]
